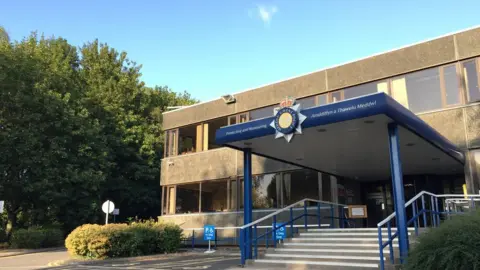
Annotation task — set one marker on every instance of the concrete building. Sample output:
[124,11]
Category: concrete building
[438,80]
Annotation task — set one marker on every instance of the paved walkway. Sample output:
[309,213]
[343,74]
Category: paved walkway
[181,261]
[33,260]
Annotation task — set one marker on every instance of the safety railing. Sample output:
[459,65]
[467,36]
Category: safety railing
[250,238]
[195,239]
[429,214]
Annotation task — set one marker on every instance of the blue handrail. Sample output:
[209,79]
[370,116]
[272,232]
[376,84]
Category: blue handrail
[246,243]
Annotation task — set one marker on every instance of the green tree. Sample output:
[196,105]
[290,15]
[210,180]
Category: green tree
[52,150]
[3,34]
[76,128]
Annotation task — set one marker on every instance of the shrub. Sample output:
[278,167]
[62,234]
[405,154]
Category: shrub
[453,245]
[122,240]
[36,237]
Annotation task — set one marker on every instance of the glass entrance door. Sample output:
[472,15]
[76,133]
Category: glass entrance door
[379,202]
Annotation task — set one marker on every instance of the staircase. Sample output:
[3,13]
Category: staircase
[328,249]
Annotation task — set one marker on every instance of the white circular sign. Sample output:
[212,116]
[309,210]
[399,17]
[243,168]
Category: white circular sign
[108,207]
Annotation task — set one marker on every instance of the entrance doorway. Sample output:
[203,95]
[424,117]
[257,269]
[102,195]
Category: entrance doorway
[378,198]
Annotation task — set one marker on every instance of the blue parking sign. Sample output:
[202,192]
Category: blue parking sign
[209,232]
[280,233]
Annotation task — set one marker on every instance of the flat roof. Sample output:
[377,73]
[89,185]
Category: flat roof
[350,138]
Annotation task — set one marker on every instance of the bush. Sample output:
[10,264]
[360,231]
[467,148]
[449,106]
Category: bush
[453,245]
[36,237]
[122,240]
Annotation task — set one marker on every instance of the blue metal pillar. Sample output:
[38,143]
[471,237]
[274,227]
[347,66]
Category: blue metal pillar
[397,185]
[247,200]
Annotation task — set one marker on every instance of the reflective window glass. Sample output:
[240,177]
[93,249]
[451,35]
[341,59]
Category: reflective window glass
[264,191]
[187,199]
[423,90]
[322,99]
[452,93]
[336,96]
[308,102]
[214,196]
[261,113]
[298,185]
[360,90]
[470,74]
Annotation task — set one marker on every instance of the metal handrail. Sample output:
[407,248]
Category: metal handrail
[392,215]
[288,208]
[418,212]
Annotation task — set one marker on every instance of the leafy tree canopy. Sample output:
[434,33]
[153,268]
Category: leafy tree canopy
[77,126]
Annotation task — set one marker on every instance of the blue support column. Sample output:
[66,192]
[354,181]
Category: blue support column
[247,200]
[397,185]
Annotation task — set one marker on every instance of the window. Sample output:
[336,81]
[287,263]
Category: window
[470,73]
[214,196]
[234,195]
[452,90]
[262,113]
[423,90]
[336,96]
[209,130]
[298,185]
[171,143]
[308,102]
[236,119]
[187,199]
[265,191]
[188,140]
[475,167]
[360,90]
[322,99]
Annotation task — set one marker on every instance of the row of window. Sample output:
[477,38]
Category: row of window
[269,191]
[421,91]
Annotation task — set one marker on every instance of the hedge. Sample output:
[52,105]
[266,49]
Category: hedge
[122,240]
[36,237]
[455,244]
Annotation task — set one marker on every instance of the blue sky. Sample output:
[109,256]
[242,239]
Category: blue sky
[210,48]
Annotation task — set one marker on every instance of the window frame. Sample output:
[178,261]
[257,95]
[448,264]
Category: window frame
[237,118]
[443,88]
[466,95]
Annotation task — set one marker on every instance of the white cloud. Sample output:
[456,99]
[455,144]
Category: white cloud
[265,12]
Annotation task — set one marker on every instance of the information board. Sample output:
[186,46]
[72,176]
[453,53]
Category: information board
[357,211]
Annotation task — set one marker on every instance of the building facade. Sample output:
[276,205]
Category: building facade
[439,80]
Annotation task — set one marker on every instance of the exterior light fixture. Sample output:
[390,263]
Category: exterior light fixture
[321,130]
[410,144]
[247,143]
[369,121]
[229,99]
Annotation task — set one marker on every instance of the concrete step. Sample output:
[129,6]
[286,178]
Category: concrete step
[335,245]
[342,234]
[305,264]
[317,257]
[340,239]
[338,251]
[354,230]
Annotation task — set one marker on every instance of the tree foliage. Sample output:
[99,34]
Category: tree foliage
[77,126]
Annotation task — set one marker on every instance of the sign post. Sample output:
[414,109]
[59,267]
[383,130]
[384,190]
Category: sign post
[107,208]
[2,203]
[209,235]
[116,212]
[280,233]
